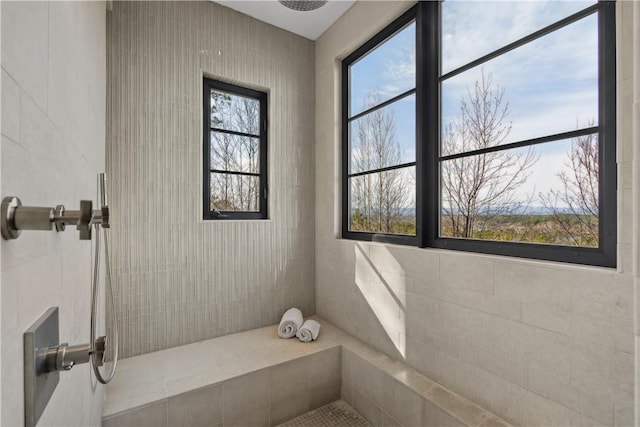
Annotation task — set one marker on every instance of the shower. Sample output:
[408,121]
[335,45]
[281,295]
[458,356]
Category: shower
[43,353]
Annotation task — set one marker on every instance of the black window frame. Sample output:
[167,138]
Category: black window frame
[429,78]
[399,24]
[207,214]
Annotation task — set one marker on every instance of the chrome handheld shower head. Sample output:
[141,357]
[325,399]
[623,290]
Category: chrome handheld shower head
[102,186]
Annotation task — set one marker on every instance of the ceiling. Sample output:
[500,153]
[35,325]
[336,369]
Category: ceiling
[307,24]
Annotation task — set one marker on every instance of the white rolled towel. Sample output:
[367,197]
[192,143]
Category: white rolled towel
[309,331]
[290,323]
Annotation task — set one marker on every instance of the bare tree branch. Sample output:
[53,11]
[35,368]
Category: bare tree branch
[483,185]
[380,199]
[575,206]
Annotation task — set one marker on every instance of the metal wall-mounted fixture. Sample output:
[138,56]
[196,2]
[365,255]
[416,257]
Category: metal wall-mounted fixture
[44,355]
[16,218]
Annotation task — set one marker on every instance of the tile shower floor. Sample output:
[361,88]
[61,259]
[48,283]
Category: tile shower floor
[335,414]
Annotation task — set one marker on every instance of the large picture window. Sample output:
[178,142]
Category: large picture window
[513,130]
[235,152]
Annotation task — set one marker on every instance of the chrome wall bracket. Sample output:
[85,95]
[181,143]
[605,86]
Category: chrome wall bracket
[15,218]
[9,205]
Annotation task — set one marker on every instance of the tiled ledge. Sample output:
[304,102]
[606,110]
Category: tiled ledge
[376,385]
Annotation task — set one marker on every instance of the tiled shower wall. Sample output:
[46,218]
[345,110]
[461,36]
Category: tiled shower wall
[53,136]
[635,77]
[179,279]
[537,343]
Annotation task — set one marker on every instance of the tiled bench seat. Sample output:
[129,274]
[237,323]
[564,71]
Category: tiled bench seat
[256,378]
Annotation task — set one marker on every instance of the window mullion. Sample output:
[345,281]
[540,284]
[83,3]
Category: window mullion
[428,121]
[385,169]
[382,104]
[525,143]
[607,140]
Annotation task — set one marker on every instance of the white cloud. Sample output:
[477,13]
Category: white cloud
[550,84]
[388,70]
[474,28]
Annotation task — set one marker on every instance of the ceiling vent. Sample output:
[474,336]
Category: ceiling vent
[303,5]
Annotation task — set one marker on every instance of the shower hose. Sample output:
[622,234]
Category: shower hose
[95,362]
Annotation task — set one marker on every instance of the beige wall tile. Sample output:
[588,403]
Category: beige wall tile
[289,390]
[593,367]
[493,422]
[199,408]
[598,406]
[407,261]
[368,380]
[246,400]
[534,283]
[346,393]
[474,383]
[432,416]
[508,307]
[545,383]
[625,32]
[625,174]
[474,273]
[324,376]
[625,116]
[548,350]
[66,86]
[624,365]
[591,329]
[602,296]
[502,364]
[389,421]
[25,46]
[462,409]
[623,409]
[624,338]
[625,257]
[154,415]
[581,420]
[402,403]
[10,107]
[515,403]
[545,317]
[369,410]
[422,310]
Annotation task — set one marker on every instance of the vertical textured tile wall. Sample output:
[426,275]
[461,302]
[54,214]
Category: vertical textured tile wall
[537,343]
[53,142]
[636,198]
[179,279]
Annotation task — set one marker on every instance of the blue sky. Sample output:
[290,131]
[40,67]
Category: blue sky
[390,70]
[550,84]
